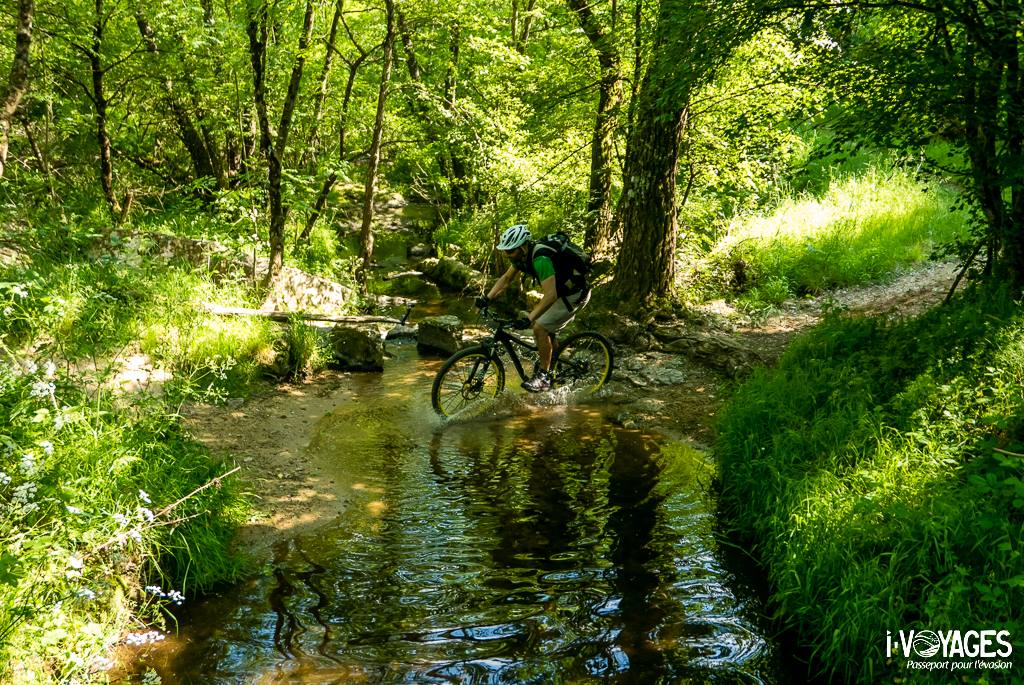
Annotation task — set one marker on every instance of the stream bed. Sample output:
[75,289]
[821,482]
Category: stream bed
[539,543]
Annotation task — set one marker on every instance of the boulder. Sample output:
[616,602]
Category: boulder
[357,348]
[419,251]
[411,285]
[440,334]
[401,333]
[451,274]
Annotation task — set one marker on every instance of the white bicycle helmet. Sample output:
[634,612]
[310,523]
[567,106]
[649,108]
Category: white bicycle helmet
[514,237]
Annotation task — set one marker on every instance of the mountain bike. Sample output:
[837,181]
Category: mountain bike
[475,375]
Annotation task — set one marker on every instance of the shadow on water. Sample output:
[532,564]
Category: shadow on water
[538,544]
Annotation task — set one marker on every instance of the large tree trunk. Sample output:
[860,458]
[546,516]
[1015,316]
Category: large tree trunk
[645,270]
[100,103]
[366,234]
[17,83]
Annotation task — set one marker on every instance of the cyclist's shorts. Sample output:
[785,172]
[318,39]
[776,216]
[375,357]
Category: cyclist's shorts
[558,316]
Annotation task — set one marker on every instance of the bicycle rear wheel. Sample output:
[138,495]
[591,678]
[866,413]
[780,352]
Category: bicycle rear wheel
[468,380]
[584,363]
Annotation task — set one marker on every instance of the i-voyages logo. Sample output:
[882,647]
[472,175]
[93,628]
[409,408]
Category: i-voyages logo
[951,650]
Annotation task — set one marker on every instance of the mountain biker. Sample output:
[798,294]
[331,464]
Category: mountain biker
[562,296]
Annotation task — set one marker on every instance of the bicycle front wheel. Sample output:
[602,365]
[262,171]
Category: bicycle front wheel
[468,380]
[584,363]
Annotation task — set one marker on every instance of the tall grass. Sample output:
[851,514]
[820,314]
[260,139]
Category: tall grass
[876,475]
[864,226]
[105,523]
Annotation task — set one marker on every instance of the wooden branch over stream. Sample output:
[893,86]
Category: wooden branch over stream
[275,315]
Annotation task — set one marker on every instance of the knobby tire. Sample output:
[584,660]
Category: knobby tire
[585,362]
[468,379]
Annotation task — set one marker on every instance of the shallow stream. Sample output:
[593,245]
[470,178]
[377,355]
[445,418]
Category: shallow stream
[539,543]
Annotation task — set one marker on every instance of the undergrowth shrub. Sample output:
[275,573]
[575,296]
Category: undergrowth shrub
[876,474]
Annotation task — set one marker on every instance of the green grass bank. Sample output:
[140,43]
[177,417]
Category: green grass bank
[877,475]
[110,514]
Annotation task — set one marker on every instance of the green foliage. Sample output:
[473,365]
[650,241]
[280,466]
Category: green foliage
[896,86]
[864,227]
[307,350]
[877,472]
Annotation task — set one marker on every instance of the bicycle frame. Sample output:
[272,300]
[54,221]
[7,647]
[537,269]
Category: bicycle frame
[509,342]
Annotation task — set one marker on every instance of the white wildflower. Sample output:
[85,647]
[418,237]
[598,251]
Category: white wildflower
[42,389]
[24,493]
[49,369]
[28,464]
[121,520]
[19,290]
[135,534]
[144,496]
[140,639]
[29,367]
[147,514]
[75,565]
[73,509]
[170,595]
[85,593]
[4,479]
[47,447]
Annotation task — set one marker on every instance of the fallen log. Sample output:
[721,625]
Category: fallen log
[275,315]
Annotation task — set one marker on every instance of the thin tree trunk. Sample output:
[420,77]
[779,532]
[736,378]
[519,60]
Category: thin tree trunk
[100,104]
[195,143]
[258,35]
[1015,151]
[524,35]
[17,83]
[44,163]
[458,171]
[321,93]
[599,198]
[256,27]
[288,111]
[328,185]
[366,236]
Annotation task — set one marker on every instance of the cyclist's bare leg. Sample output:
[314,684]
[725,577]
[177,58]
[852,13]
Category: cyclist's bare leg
[545,346]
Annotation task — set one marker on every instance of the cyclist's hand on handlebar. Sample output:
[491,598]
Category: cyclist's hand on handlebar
[482,302]
[522,321]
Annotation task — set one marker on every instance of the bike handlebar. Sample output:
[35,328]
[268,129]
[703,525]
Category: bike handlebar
[500,321]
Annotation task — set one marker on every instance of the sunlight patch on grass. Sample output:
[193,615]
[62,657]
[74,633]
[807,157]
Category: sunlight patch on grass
[865,227]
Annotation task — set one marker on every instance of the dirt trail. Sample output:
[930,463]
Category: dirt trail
[295,490]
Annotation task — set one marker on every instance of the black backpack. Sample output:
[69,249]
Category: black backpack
[572,262]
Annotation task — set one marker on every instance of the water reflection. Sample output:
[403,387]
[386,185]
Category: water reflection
[541,546]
